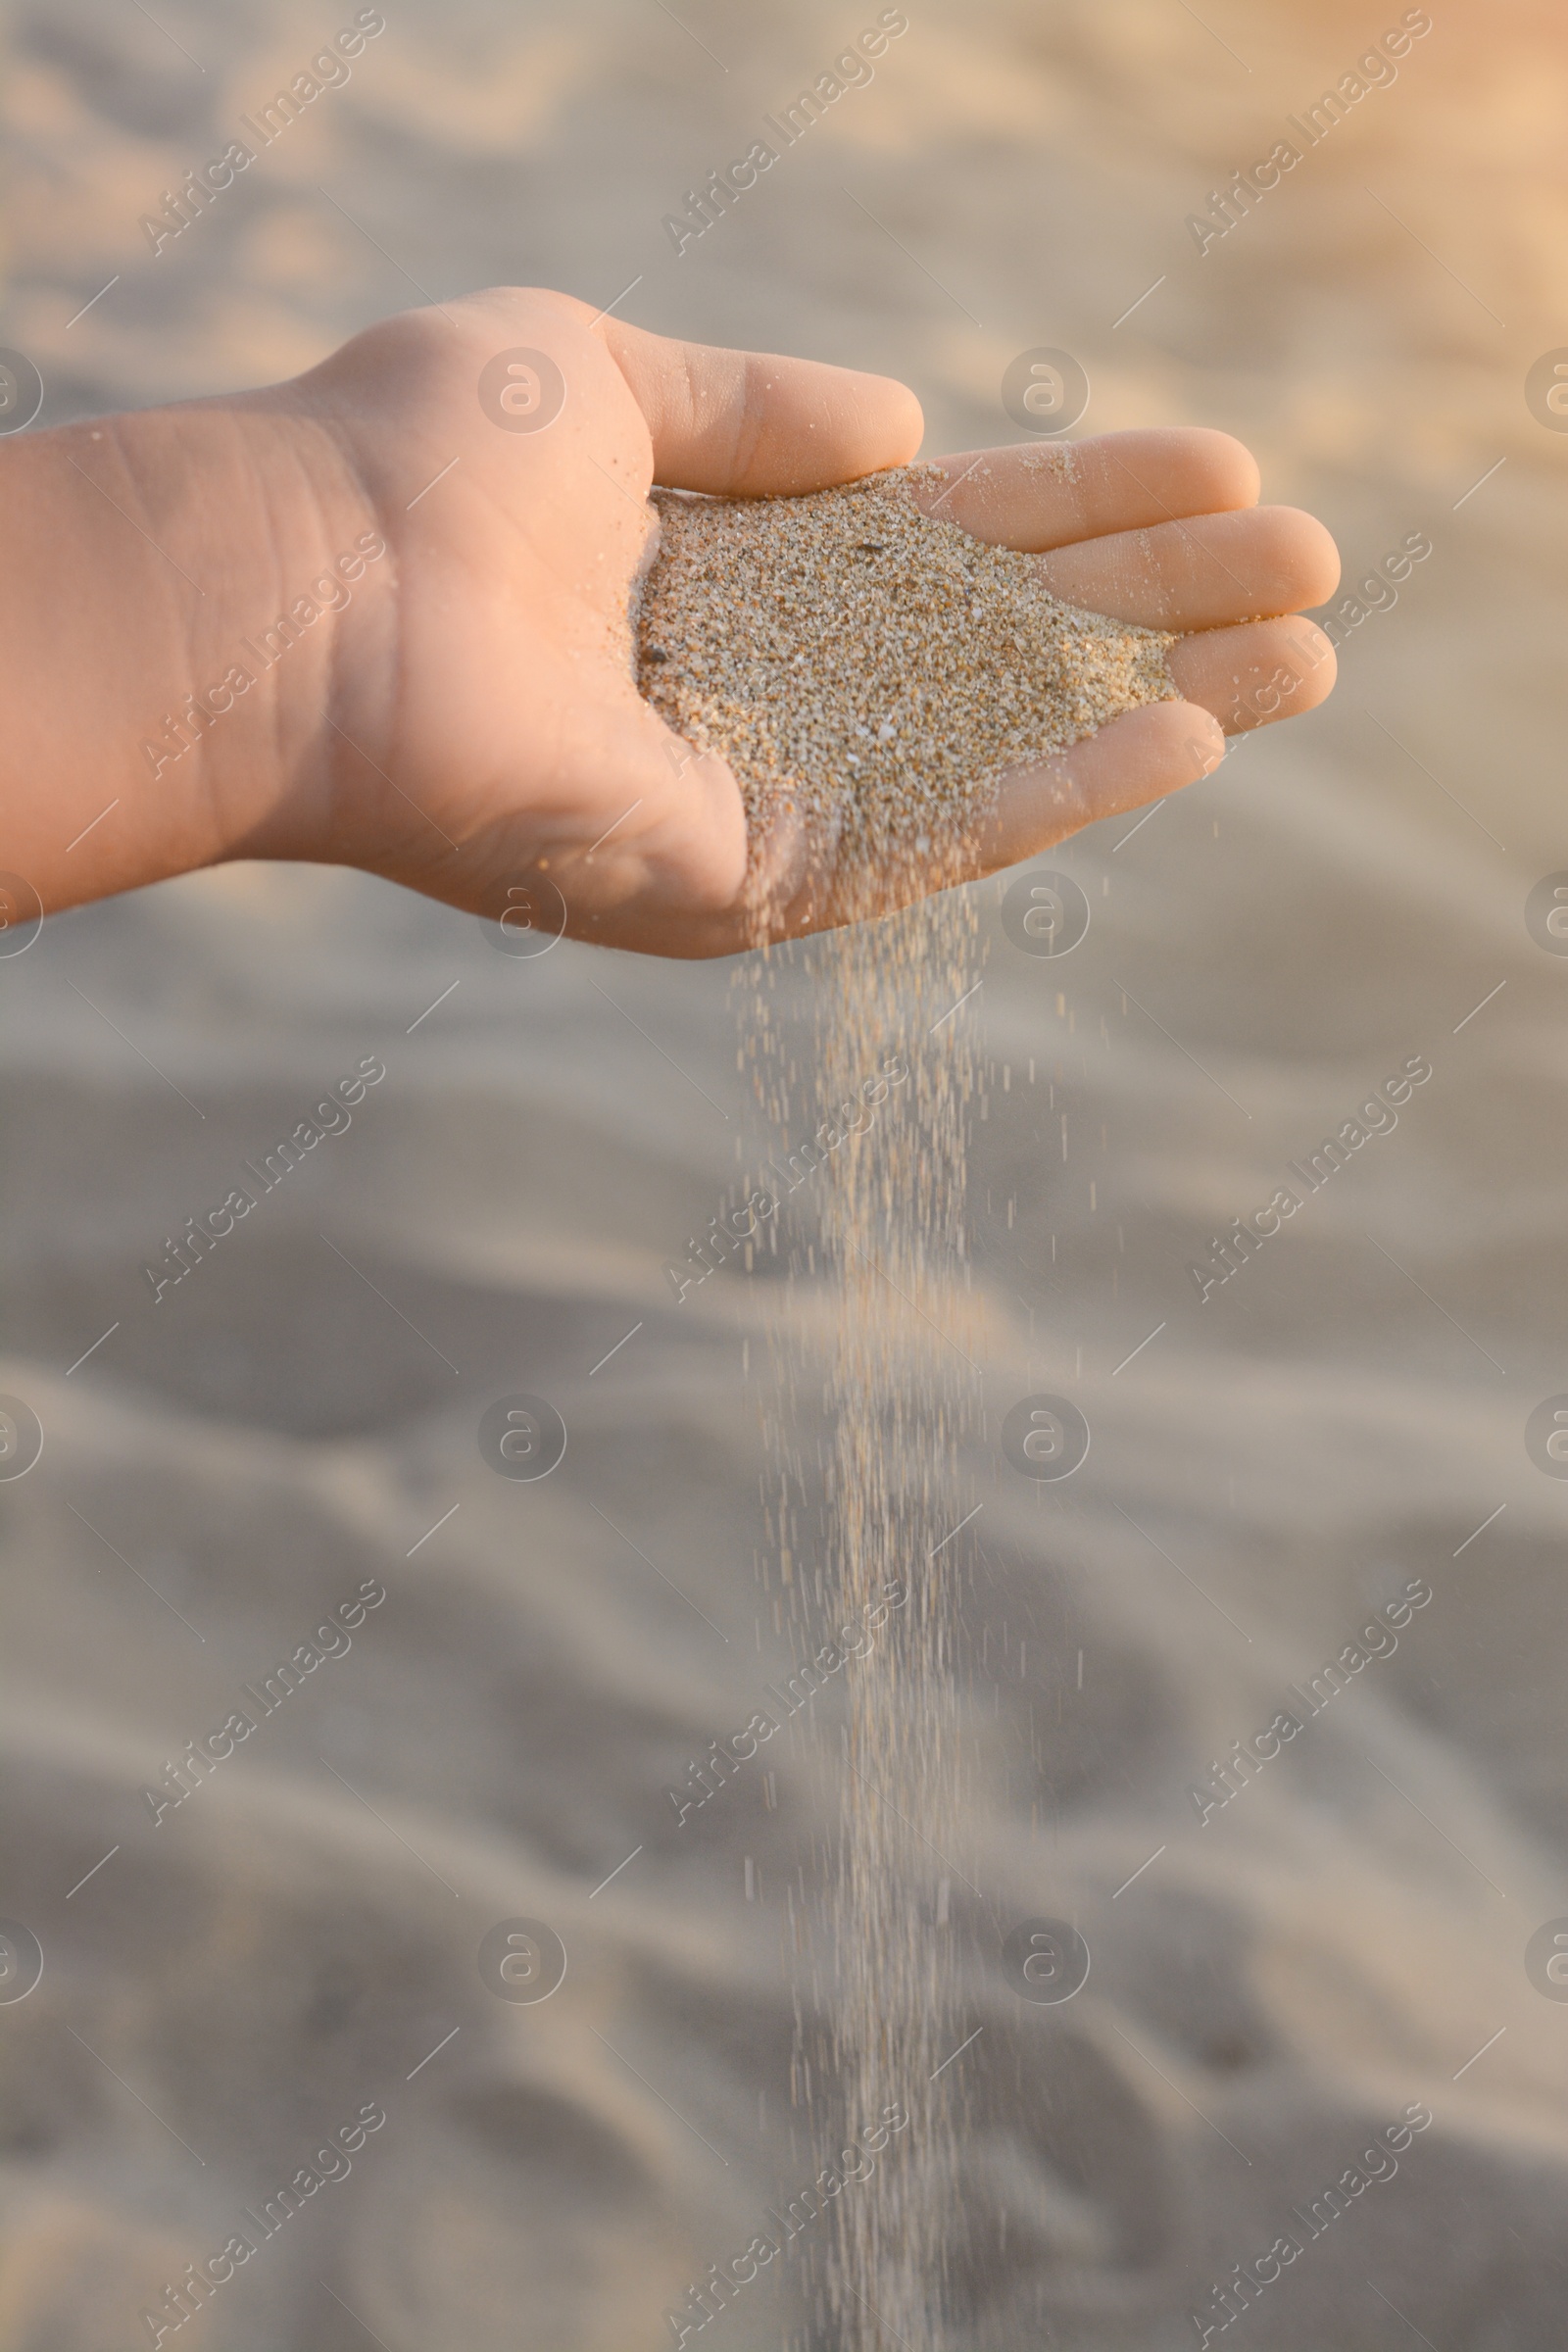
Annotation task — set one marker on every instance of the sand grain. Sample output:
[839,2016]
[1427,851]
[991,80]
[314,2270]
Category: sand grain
[871,665]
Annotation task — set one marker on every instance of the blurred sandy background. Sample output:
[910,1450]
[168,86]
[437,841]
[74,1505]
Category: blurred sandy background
[230,1986]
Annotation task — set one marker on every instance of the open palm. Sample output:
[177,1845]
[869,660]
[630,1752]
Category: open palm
[493,741]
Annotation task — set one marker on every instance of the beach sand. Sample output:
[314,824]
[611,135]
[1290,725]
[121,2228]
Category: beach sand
[298,1940]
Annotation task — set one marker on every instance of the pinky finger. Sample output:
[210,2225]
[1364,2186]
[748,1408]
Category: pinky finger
[1257,673]
[1139,757]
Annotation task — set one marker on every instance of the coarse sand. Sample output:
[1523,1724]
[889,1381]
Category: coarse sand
[871,664]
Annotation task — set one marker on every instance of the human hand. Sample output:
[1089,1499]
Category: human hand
[467,722]
[515,723]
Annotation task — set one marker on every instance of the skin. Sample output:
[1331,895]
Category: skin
[465,722]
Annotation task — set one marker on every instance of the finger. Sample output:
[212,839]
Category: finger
[1202,574]
[750,425]
[1139,757]
[1047,494]
[1251,675]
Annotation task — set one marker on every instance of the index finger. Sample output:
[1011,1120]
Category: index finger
[756,424]
[1045,494]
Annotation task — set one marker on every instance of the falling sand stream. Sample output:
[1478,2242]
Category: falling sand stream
[871,672]
[901,1393]
[889,1063]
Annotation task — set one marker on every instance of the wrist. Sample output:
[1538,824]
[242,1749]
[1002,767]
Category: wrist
[183,587]
[287,655]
